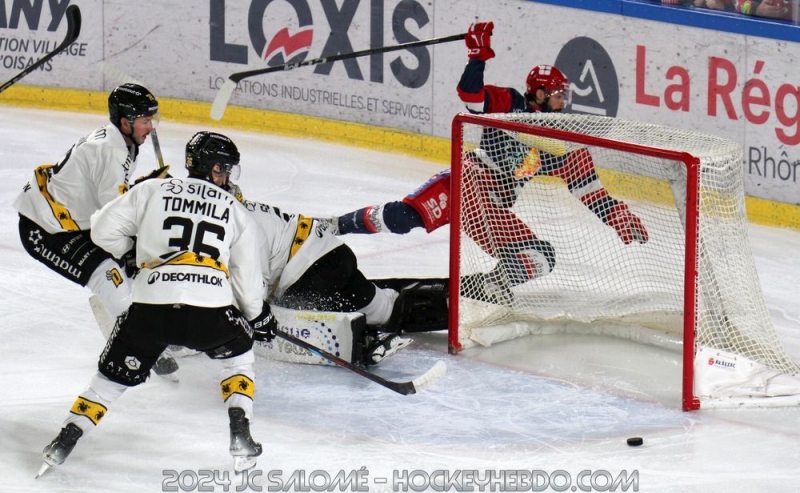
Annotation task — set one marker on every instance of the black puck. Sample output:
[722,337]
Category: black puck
[635,441]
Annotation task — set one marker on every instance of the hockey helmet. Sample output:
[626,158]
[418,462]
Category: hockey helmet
[206,149]
[549,79]
[130,101]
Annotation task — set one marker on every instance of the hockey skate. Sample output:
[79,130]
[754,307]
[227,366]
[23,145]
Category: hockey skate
[487,288]
[381,346]
[243,448]
[61,446]
[166,366]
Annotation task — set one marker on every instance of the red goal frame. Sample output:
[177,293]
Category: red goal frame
[692,164]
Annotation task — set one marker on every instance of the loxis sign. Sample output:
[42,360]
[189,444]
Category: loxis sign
[282,32]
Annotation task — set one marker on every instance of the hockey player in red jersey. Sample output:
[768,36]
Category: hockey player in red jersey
[496,174]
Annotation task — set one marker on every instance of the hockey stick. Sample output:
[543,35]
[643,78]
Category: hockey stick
[73,15]
[157,148]
[430,377]
[225,92]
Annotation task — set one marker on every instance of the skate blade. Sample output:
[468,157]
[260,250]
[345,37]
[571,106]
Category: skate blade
[241,464]
[42,470]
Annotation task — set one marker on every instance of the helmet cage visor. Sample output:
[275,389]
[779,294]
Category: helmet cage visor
[233,170]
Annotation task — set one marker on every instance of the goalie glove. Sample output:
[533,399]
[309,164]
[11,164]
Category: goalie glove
[162,172]
[264,325]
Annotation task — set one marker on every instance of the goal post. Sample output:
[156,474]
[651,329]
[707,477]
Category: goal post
[544,238]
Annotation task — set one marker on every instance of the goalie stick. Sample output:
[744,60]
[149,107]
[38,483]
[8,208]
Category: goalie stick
[225,92]
[73,15]
[422,382]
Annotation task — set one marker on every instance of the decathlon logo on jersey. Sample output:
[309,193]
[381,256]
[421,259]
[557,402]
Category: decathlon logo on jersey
[184,277]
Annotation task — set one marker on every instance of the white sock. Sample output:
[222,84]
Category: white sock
[380,308]
[98,395]
[240,365]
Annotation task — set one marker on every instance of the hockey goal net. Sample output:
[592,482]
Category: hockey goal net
[534,252]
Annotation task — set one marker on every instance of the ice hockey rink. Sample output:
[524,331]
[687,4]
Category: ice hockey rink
[551,408]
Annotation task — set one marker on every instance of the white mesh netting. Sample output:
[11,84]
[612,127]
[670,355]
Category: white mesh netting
[523,210]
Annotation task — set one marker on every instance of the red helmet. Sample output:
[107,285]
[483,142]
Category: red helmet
[547,77]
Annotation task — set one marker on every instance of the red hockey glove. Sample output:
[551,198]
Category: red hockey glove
[479,40]
[628,226]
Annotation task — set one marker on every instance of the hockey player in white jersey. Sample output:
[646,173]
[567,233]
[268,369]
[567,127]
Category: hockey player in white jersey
[198,251]
[311,269]
[55,206]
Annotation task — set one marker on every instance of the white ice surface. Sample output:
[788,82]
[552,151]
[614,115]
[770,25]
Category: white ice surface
[547,403]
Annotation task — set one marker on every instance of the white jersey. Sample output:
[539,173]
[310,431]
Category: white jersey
[62,197]
[294,243]
[195,245]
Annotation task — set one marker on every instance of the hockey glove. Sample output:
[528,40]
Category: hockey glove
[264,325]
[479,41]
[628,226]
[162,172]
[129,263]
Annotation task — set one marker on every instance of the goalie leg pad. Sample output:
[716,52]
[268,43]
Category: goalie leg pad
[339,333]
[432,201]
[421,307]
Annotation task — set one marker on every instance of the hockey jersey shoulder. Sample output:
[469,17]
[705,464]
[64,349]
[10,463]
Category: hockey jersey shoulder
[92,172]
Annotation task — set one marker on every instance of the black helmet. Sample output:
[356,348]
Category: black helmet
[205,149]
[130,101]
